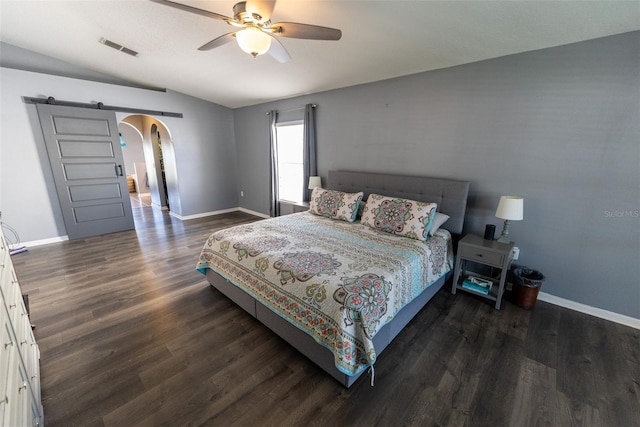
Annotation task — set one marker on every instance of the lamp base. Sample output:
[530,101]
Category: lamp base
[504,237]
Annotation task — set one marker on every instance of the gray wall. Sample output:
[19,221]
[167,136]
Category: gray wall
[558,126]
[203,143]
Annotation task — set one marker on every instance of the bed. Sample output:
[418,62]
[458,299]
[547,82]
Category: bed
[304,275]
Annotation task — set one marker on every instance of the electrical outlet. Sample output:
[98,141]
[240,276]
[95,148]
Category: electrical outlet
[515,253]
[241,193]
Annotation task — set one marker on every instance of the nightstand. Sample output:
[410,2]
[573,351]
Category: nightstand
[301,207]
[287,208]
[489,253]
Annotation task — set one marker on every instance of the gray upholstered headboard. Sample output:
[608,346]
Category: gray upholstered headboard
[449,194]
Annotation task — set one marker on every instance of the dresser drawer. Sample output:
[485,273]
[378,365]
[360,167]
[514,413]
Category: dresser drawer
[15,304]
[7,275]
[9,359]
[19,354]
[482,255]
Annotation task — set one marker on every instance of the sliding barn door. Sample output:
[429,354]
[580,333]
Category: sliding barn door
[86,160]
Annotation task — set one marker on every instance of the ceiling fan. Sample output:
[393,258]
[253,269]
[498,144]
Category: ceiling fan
[256,33]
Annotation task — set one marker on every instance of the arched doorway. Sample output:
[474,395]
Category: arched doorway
[160,174]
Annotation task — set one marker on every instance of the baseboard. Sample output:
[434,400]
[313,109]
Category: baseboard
[35,243]
[175,215]
[250,212]
[203,214]
[593,311]
[223,211]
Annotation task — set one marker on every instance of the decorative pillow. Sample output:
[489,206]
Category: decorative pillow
[438,220]
[335,204]
[399,216]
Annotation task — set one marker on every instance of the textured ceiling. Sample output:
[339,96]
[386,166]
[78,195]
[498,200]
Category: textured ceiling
[381,40]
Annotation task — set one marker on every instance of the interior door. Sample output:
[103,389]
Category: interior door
[86,160]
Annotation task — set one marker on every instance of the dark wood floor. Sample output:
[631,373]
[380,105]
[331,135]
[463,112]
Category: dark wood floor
[131,334]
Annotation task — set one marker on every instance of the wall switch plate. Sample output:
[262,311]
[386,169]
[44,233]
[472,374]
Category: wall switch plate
[241,193]
[515,253]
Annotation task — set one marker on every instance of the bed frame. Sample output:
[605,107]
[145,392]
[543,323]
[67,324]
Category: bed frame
[451,196]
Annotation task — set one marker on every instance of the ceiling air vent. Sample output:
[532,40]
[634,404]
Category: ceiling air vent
[118,47]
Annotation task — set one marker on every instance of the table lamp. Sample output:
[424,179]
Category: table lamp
[510,208]
[314,181]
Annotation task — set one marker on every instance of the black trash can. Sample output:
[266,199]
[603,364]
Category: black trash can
[526,286]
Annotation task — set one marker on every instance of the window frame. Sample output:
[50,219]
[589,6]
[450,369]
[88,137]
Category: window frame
[298,122]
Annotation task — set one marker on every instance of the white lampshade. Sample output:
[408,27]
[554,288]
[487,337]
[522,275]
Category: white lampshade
[253,41]
[314,181]
[510,207]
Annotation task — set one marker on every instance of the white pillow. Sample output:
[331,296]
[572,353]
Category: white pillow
[438,220]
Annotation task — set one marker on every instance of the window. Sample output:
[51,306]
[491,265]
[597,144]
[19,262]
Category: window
[289,140]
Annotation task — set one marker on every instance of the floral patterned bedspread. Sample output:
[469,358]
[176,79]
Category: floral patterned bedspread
[338,281]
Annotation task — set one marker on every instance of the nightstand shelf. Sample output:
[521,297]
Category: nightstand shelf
[476,250]
[493,292]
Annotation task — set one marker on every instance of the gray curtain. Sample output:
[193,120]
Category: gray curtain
[275,204]
[310,166]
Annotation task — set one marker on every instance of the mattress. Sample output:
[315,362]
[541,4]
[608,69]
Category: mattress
[339,282]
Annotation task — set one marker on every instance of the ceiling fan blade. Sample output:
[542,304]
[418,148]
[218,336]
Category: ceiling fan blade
[305,31]
[217,42]
[192,9]
[278,51]
[264,8]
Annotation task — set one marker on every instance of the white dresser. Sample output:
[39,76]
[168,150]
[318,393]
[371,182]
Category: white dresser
[19,353]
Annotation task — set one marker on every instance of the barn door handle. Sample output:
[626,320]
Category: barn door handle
[119,170]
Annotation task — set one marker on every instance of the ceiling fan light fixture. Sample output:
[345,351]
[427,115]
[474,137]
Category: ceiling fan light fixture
[253,41]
